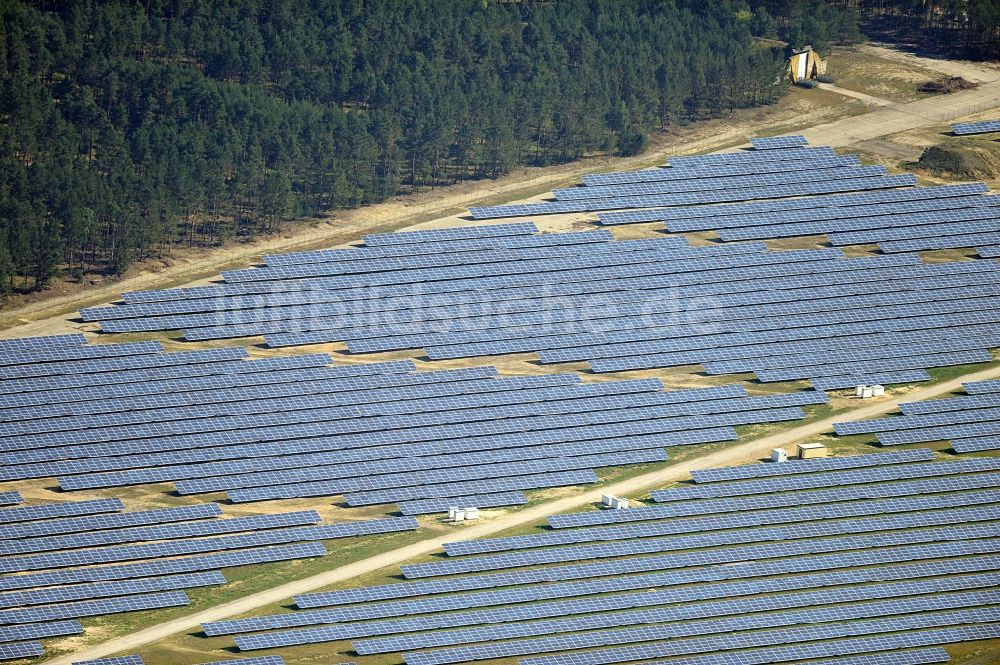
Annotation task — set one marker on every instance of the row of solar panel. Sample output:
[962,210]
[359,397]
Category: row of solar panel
[250,295]
[739,504]
[580,347]
[726,521]
[81,557]
[575,299]
[695,198]
[817,220]
[250,429]
[205,390]
[871,228]
[901,317]
[883,594]
[972,423]
[468,393]
[531,585]
[471,436]
[978,127]
[810,161]
[851,201]
[908,576]
[352,422]
[813,617]
[568,239]
[707,183]
[732,406]
[629,546]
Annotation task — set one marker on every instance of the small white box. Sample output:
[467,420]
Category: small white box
[472,513]
[779,455]
[867,393]
[459,516]
[859,390]
[619,504]
[451,512]
[606,499]
[877,390]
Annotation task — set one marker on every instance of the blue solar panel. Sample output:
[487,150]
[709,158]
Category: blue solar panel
[63,509]
[50,527]
[750,211]
[706,183]
[724,522]
[989,252]
[17,650]
[200,545]
[46,341]
[444,482]
[252,523]
[716,170]
[693,198]
[976,444]
[98,590]
[914,630]
[586,605]
[630,574]
[163,566]
[455,233]
[39,630]
[772,142]
[87,608]
[427,506]
[10,499]
[978,127]
[832,479]
[114,660]
[810,466]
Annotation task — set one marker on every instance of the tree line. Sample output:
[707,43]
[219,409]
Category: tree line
[128,128]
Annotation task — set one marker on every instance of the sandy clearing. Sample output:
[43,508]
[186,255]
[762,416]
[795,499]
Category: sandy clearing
[745,452]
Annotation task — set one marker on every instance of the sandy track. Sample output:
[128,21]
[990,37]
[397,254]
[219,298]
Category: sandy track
[638,485]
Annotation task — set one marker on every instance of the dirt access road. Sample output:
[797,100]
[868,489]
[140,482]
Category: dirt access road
[638,485]
[49,315]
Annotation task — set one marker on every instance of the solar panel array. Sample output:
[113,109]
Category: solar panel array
[619,305]
[971,423]
[981,127]
[836,573]
[728,193]
[61,562]
[377,433]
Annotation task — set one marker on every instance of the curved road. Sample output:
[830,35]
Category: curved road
[741,453]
